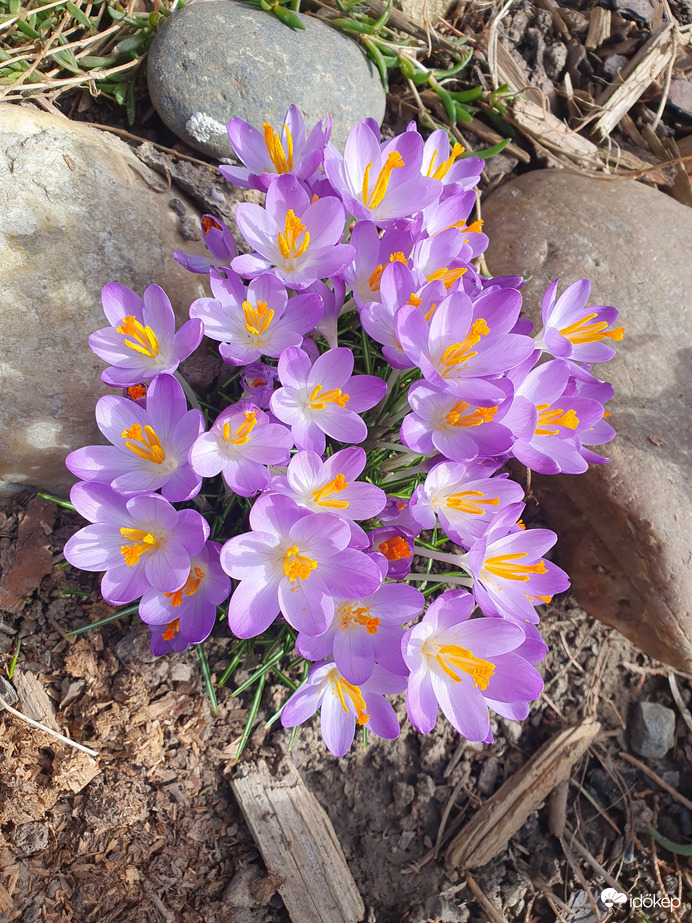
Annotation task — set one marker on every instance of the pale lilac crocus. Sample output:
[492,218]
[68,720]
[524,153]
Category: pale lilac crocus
[218,241]
[149,447]
[571,330]
[395,544]
[510,575]
[239,445]
[397,513]
[258,380]
[267,153]
[140,542]
[332,305]
[441,258]
[345,705]
[465,666]
[453,213]
[372,255]
[142,340]
[464,499]
[295,561]
[446,164]
[331,486]
[324,397]
[260,320]
[294,237]
[365,631]
[187,615]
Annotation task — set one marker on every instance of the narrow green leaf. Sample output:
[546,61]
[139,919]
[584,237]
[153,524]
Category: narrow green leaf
[251,716]
[462,112]
[382,21]
[130,103]
[261,672]
[133,43]
[122,613]
[206,676]
[350,25]
[678,849]
[406,67]
[58,502]
[448,102]
[287,17]
[450,72]
[466,96]
[79,15]
[15,658]
[488,151]
[66,59]
[376,55]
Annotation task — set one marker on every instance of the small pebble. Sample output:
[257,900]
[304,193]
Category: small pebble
[652,729]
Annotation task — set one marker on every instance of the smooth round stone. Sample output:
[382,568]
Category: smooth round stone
[77,210]
[215,61]
[625,528]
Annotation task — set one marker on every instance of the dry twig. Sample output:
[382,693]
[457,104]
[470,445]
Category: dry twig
[659,781]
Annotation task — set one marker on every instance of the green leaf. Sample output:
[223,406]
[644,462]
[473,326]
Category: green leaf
[130,103]
[678,849]
[80,16]
[288,17]
[116,15]
[66,59]
[206,675]
[406,67]
[133,43]
[375,55]
[251,716]
[15,658]
[462,112]
[467,96]
[120,614]
[488,151]
[57,501]
[350,25]
[448,102]
[457,67]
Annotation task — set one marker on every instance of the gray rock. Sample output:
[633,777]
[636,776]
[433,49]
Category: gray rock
[625,528]
[77,210]
[680,96]
[214,61]
[613,64]
[652,729]
[643,10]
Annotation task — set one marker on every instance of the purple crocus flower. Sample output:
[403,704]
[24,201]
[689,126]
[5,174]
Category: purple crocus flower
[345,705]
[258,321]
[510,576]
[142,341]
[458,429]
[366,630]
[453,213]
[220,244]
[442,258]
[324,397]
[296,238]
[331,485]
[240,444]
[187,616]
[258,382]
[140,542]
[465,665]
[397,513]
[372,254]
[464,498]
[573,331]
[332,304]
[381,183]
[149,446]
[444,164]
[268,152]
[295,561]
[395,544]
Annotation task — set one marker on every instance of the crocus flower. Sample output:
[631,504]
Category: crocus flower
[330,486]
[447,165]
[332,304]
[296,561]
[240,444]
[187,616]
[395,544]
[366,630]
[142,341]
[140,542]
[268,152]
[372,255]
[458,429]
[453,213]
[573,331]
[258,321]
[397,512]
[258,382]
[464,498]
[296,238]
[510,576]
[441,258]
[381,183]
[345,705]
[149,446]
[464,665]
[220,244]
[324,397]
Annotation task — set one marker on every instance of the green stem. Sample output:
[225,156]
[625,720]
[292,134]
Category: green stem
[189,393]
[206,675]
[251,715]
[122,613]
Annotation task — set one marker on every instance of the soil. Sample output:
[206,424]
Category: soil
[149,830]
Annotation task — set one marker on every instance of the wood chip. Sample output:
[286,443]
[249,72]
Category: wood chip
[33,699]
[599,28]
[490,828]
[298,845]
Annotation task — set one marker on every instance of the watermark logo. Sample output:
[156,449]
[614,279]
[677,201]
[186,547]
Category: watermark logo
[612,898]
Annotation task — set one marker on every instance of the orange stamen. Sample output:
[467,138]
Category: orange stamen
[395,548]
[379,190]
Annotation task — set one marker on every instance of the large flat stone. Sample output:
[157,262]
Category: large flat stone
[626,527]
[77,210]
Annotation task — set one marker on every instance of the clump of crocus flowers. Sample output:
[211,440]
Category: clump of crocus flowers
[345,483]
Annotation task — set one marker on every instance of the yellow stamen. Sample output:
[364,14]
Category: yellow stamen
[257,319]
[322,495]
[143,543]
[189,588]
[395,548]
[416,301]
[297,566]
[208,223]
[448,276]
[430,312]
[318,398]
[136,391]
[376,275]
[172,629]
[282,160]
[242,434]
[345,689]
[479,415]
[582,331]
[456,660]
[543,599]
[446,165]
[556,417]
[458,353]
[357,615]
[143,338]
[145,445]
[505,566]
[464,504]
[289,247]
[462,227]
[379,190]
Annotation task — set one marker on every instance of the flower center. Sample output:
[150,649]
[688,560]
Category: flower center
[135,392]
[505,566]
[445,166]
[189,589]
[455,661]
[346,690]
[458,417]
[282,160]
[146,445]
[458,353]
[464,503]
[242,434]
[556,417]
[142,543]
[289,245]
[379,190]
[143,338]
[581,331]
[354,614]
[172,629]
[297,566]
[376,276]
[395,548]
[208,223]
[257,319]
[448,276]
[318,398]
[322,495]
